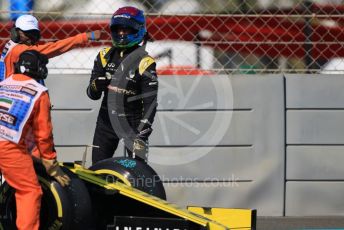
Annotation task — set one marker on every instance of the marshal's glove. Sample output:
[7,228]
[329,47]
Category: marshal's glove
[101,83]
[53,169]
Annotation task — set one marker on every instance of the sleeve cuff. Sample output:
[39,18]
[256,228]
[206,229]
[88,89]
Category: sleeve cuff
[49,156]
[84,37]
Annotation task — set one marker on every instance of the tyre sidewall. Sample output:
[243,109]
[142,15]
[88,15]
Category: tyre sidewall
[137,173]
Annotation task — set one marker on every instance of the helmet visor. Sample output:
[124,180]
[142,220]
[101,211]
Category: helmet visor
[124,22]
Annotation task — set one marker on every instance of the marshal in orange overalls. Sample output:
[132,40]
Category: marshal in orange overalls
[13,50]
[17,166]
[50,49]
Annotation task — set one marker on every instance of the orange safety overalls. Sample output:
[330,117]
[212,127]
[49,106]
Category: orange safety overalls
[16,163]
[50,49]
[12,51]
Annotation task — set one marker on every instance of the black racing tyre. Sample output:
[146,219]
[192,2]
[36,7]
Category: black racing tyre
[80,202]
[55,206]
[108,204]
[61,208]
[56,209]
[131,172]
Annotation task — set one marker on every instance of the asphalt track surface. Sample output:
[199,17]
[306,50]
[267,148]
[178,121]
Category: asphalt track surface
[287,223]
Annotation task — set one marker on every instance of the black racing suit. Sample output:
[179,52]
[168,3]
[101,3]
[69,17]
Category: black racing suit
[133,101]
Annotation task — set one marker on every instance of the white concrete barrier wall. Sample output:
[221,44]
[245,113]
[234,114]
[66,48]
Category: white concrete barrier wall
[246,141]
[315,145]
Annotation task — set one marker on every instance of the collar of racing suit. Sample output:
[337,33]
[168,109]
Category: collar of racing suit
[119,52]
